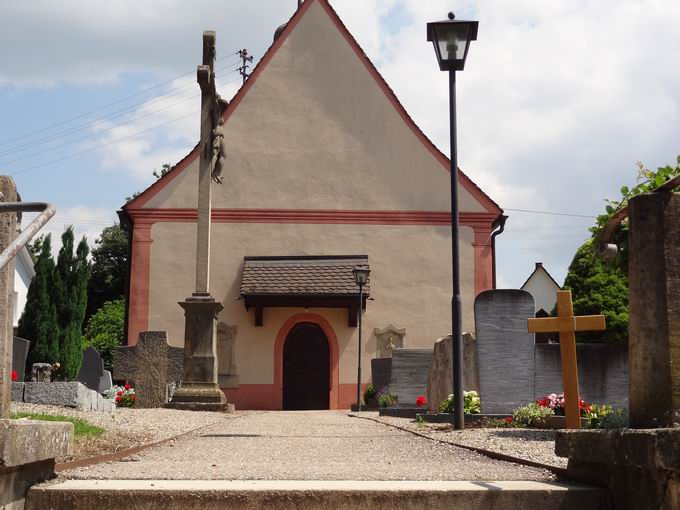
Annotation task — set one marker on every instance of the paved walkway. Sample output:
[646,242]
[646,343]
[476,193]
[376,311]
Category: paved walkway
[307,445]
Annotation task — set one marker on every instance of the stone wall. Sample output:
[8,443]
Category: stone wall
[602,372]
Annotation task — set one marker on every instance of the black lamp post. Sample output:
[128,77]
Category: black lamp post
[451,41]
[360,277]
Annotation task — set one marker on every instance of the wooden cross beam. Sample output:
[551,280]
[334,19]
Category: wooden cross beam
[567,325]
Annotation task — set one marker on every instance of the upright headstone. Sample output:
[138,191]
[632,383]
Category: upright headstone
[440,381]
[505,350]
[410,370]
[654,308]
[105,382]
[92,369]
[19,356]
[149,366]
[227,368]
[381,373]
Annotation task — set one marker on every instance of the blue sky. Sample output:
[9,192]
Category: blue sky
[558,101]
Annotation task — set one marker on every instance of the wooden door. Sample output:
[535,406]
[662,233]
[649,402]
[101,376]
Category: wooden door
[306,368]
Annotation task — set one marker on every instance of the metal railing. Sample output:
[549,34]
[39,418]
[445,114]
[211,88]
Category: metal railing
[46,212]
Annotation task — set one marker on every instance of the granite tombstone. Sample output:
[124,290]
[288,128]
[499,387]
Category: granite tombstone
[410,371]
[505,350]
[92,369]
[19,355]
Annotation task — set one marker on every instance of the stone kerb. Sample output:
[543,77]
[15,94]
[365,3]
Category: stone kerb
[67,394]
[505,350]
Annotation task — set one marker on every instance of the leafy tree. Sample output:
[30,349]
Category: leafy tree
[105,329]
[38,323]
[647,180]
[109,269]
[35,246]
[599,287]
[164,170]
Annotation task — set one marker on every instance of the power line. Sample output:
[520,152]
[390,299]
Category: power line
[129,121]
[551,213]
[112,142]
[118,113]
[80,116]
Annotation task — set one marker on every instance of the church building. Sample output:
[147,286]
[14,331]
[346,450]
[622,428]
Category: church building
[325,171]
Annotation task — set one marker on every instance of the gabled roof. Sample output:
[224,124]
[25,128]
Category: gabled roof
[301,276]
[539,267]
[463,179]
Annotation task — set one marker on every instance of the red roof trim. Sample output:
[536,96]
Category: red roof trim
[463,179]
[319,216]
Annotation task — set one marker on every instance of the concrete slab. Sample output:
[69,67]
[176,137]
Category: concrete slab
[282,494]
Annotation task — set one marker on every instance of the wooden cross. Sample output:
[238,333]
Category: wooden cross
[567,325]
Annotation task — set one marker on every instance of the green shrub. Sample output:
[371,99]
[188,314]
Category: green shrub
[606,417]
[106,329]
[369,393]
[385,398]
[531,414]
[471,403]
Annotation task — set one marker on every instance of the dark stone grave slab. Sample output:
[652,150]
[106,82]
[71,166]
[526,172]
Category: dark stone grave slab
[505,350]
[410,372]
[92,369]
[381,373]
[19,355]
[149,367]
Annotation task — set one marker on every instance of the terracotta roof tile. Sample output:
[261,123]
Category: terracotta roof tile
[309,276]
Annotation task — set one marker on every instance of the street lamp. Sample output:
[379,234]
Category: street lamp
[360,278]
[451,40]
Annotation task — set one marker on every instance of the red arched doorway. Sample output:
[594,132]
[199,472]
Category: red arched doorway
[299,329]
[306,368]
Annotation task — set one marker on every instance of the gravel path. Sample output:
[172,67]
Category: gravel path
[127,427]
[311,445]
[529,444]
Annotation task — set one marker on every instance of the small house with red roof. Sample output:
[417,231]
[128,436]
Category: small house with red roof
[325,171]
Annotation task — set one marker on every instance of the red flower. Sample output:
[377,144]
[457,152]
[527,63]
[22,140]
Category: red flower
[120,393]
[421,401]
[508,419]
[132,397]
[14,375]
[118,399]
[127,386]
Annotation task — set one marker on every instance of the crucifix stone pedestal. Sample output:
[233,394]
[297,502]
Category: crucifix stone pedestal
[199,389]
[566,324]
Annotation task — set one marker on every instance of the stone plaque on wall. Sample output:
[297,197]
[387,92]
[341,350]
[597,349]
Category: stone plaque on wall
[387,339]
[227,368]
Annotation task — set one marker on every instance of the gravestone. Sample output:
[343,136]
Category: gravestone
[149,367]
[41,372]
[227,369]
[440,380]
[105,382]
[20,348]
[92,369]
[410,371]
[505,350]
[381,373]
[388,339]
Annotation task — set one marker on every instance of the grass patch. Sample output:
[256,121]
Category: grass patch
[81,428]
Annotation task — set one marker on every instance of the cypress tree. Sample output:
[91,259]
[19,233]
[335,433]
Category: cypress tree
[38,323]
[70,296]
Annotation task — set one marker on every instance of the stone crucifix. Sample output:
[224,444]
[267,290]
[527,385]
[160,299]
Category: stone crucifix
[566,324]
[199,389]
